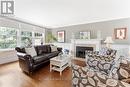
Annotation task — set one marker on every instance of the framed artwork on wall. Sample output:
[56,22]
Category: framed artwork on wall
[120,33]
[61,36]
[84,35]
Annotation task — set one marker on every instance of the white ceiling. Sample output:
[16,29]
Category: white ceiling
[59,13]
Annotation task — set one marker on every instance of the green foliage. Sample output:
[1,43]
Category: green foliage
[7,38]
[26,42]
[50,38]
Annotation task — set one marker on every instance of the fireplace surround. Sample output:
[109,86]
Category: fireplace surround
[79,46]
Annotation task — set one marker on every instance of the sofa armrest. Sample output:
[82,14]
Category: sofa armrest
[59,49]
[19,54]
[25,62]
[24,56]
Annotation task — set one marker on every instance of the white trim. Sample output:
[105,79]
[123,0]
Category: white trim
[8,49]
[33,37]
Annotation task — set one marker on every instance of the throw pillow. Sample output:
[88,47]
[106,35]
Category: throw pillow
[103,51]
[53,48]
[31,51]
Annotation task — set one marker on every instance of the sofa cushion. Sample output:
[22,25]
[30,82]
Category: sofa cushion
[39,59]
[49,48]
[41,49]
[52,54]
[44,57]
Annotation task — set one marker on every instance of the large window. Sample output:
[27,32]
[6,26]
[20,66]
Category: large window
[11,37]
[8,37]
[38,38]
[26,38]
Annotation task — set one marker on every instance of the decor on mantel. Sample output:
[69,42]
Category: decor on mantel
[108,41]
[98,34]
[85,35]
[120,33]
[61,36]
[72,36]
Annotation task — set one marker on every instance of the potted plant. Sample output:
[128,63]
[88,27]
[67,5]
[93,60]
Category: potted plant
[51,38]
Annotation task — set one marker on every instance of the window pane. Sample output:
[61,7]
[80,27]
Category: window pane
[26,33]
[26,38]
[8,37]
[38,38]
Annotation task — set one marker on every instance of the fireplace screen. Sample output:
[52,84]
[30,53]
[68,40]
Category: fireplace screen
[80,51]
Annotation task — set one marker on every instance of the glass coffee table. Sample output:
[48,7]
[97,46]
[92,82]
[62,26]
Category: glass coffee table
[59,63]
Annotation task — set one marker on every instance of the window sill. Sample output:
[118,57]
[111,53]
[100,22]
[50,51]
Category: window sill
[2,50]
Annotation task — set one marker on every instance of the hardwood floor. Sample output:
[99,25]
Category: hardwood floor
[12,76]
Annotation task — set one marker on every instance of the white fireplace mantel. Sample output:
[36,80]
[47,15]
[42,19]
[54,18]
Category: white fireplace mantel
[96,42]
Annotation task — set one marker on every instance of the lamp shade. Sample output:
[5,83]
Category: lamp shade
[108,40]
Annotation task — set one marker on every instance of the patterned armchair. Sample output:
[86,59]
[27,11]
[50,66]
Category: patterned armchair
[109,64]
[84,77]
[102,61]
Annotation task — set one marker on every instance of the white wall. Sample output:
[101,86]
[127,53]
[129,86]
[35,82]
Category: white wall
[8,56]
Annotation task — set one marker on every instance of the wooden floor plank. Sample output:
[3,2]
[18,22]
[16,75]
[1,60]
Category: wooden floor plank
[12,76]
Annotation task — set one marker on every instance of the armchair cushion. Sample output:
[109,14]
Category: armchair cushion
[100,65]
[80,77]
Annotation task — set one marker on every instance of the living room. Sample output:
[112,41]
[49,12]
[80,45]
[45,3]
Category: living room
[64,43]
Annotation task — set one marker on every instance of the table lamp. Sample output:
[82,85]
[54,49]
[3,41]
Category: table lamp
[108,41]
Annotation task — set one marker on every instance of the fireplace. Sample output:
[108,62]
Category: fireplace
[80,51]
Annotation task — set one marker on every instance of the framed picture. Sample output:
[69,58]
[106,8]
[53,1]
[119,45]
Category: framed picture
[61,36]
[120,33]
[84,35]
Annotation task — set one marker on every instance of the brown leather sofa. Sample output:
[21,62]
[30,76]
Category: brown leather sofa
[29,64]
